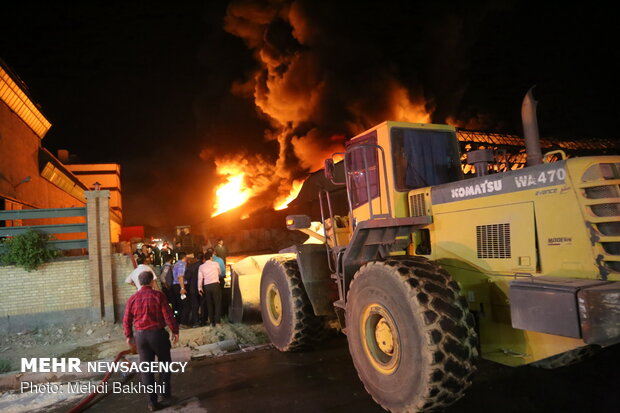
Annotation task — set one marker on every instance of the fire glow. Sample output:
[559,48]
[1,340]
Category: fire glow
[297,92]
[231,194]
[294,192]
[245,178]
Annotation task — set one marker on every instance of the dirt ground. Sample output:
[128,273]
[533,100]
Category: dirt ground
[95,341]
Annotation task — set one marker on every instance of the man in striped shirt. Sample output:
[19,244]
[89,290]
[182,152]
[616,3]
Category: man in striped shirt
[149,312]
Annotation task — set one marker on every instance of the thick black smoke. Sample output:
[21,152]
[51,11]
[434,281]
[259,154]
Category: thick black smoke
[332,69]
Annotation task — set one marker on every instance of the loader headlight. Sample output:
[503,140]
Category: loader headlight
[298,221]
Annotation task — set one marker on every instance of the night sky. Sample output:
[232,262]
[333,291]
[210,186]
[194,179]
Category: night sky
[166,90]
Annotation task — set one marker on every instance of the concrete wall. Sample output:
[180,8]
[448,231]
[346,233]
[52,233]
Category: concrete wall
[59,292]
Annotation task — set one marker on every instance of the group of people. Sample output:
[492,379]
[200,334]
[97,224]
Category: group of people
[192,294]
[194,287]
[192,284]
[156,254]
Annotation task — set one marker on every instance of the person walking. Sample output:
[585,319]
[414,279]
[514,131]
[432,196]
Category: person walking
[209,290]
[179,292]
[148,312]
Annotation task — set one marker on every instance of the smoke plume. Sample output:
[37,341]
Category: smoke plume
[329,70]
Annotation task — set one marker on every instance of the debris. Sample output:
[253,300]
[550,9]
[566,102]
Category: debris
[176,354]
[254,348]
[89,332]
[215,349]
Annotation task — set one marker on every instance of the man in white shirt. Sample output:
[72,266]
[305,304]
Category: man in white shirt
[209,290]
[132,278]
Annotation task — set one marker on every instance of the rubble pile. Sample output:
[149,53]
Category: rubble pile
[96,341]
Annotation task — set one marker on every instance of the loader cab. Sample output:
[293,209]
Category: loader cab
[384,163]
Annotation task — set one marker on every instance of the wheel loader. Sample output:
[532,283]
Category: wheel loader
[429,271]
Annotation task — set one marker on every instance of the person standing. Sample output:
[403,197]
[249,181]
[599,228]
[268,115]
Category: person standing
[209,290]
[133,279]
[157,257]
[222,265]
[221,250]
[179,291]
[176,252]
[141,254]
[165,249]
[166,277]
[148,312]
[220,262]
[193,298]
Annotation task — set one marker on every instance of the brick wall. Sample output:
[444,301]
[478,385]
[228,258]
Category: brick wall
[59,292]
[55,286]
[121,267]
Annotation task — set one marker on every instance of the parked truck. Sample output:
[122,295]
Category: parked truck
[430,271]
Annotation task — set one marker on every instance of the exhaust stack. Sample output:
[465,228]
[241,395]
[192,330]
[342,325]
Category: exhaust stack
[530,129]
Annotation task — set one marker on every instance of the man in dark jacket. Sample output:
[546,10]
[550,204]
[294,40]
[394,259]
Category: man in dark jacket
[166,277]
[149,313]
[191,275]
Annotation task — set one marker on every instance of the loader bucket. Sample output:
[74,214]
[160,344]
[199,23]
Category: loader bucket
[246,275]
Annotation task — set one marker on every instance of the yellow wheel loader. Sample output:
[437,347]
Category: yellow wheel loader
[430,271]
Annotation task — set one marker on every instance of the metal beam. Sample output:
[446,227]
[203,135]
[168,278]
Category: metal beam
[69,244]
[44,229]
[42,213]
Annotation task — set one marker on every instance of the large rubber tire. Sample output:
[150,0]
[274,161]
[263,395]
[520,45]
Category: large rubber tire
[411,335]
[567,358]
[287,314]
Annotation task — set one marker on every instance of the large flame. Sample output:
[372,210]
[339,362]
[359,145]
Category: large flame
[232,193]
[283,204]
[252,176]
[403,109]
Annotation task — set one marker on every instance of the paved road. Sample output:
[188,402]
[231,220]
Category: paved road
[267,381]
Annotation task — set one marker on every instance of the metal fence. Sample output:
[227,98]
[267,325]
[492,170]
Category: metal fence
[53,229]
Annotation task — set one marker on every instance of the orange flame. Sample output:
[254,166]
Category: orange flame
[249,177]
[404,109]
[283,204]
[233,192]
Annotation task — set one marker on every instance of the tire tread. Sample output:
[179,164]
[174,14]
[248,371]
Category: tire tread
[308,329]
[448,324]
